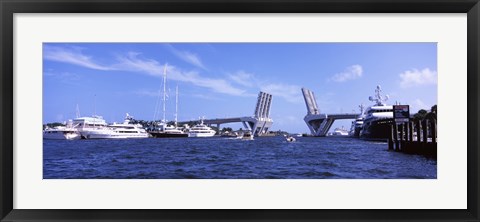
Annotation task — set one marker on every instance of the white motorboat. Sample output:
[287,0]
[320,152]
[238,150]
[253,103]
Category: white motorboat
[127,129]
[201,130]
[290,139]
[67,132]
[247,135]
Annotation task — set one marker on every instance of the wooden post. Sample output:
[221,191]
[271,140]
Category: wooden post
[390,139]
[434,131]
[419,130]
[405,126]
[395,135]
[425,130]
[410,133]
[402,129]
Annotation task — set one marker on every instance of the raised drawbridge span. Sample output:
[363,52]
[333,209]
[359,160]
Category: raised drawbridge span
[258,124]
[318,123]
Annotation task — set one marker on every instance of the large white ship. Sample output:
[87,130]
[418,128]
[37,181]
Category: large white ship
[378,117]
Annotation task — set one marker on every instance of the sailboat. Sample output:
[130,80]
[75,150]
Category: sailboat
[162,129]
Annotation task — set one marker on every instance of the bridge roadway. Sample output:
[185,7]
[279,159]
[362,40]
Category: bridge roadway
[257,125]
[215,121]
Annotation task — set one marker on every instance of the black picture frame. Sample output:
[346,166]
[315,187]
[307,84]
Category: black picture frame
[9,7]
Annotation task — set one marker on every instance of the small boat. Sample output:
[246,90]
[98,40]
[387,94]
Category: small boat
[290,138]
[67,132]
[229,134]
[247,135]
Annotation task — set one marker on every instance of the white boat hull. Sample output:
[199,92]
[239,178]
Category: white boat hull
[201,134]
[59,135]
[108,134]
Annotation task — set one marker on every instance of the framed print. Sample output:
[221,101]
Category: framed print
[256,110]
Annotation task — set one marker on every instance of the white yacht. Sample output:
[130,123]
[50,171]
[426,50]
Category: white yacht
[127,129]
[67,132]
[357,124]
[95,127]
[378,118]
[201,130]
[340,132]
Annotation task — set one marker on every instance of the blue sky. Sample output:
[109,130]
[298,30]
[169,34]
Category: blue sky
[217,80]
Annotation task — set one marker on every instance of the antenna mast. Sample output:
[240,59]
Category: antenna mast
[379,99]
[361,108]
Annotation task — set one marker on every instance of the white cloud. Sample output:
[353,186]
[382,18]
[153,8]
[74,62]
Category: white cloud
[71,55]
[63,76]
[243,78]
[291,93]
[350,73]
[417,77]
[207,97]
[133,62]
[187,57]
[418,104]
[152,67]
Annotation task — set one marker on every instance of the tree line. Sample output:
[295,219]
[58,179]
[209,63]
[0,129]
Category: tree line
[424,114]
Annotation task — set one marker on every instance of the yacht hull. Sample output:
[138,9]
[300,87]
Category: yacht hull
[167,135]
[59,135]
[201,134]
[377,129]
[110,135]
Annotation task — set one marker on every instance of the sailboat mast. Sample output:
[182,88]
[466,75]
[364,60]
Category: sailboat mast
[176,105]
[164,89]
[77,113]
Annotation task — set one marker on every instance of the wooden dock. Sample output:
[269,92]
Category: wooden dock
[415,137]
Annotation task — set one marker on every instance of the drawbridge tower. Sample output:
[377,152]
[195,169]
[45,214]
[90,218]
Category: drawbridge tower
[261,121]
[318,123]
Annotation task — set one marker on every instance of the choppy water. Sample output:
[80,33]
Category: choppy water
[217,157]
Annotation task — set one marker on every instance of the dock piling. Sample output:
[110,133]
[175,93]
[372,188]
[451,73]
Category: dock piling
[402,137]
